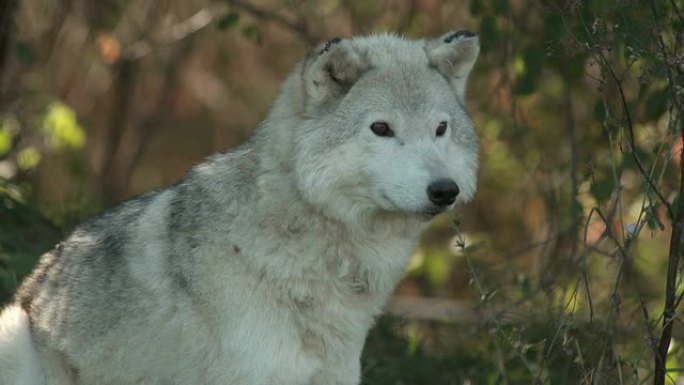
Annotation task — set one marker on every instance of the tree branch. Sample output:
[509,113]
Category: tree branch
[676,243]
[298,27]
[179,31]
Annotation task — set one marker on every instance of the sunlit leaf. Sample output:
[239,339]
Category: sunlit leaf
[5,141]
[437,268]
[28,158]
[519,65]
[412,339]
[62,128]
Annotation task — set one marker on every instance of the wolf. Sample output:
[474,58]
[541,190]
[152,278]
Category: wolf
[268,264]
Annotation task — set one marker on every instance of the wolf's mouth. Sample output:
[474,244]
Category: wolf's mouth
[433,212]
[427,213]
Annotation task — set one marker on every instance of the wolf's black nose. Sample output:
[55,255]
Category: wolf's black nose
[442,192]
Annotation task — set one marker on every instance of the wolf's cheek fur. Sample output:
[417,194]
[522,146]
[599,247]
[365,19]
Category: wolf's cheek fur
[330,179]
[463,164]
[462,157]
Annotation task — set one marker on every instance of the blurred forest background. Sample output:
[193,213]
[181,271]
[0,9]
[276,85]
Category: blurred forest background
[566,268]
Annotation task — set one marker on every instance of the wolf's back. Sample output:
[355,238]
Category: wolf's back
[76,289]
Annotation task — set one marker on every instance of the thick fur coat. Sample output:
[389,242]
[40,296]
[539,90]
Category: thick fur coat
[268,264]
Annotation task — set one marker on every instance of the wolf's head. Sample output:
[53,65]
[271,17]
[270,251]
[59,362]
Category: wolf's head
[384,127]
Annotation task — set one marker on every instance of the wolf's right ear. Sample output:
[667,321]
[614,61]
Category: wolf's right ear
[332,69]
[454,55]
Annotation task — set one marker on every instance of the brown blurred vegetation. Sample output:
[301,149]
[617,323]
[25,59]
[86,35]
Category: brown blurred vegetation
[556,274]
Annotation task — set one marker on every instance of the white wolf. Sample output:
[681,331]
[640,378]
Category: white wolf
[265,265]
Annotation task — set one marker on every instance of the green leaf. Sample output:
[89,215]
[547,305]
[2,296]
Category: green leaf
[229,21]
[526,287]
[554,28]
[489,33]
[602,188]
[577,211]
[629,160]
[252,33]
[23,52]
[475,7]
[525,84]
[600,113]
[501,7]
[533,59]
[656,104]
[652,219]
[674,206]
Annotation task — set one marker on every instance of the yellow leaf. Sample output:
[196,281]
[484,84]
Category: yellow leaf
[5,141]
[62,128]
[28,158]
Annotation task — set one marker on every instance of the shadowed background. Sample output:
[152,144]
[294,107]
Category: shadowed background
[555,274]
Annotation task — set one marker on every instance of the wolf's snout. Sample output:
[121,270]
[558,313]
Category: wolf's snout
[443,192]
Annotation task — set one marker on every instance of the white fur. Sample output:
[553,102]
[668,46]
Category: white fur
[18,358]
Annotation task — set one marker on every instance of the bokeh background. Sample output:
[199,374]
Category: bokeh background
[555,274]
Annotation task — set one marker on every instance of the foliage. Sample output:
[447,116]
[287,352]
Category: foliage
[25,235]
[565,254]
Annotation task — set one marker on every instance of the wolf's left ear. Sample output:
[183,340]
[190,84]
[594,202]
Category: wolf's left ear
[454,55]
[333,68]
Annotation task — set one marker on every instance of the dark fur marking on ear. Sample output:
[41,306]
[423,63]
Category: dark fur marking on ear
[457,34]
[329,44]
[31,287]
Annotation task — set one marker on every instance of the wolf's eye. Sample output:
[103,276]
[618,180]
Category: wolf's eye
[381,129]
[441,129]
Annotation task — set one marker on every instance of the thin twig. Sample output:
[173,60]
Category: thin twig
[572,137]
[179,31]
[299,27]
[630,136]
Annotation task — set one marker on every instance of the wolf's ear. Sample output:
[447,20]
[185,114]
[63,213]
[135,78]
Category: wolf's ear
[333,68]
[454,55]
